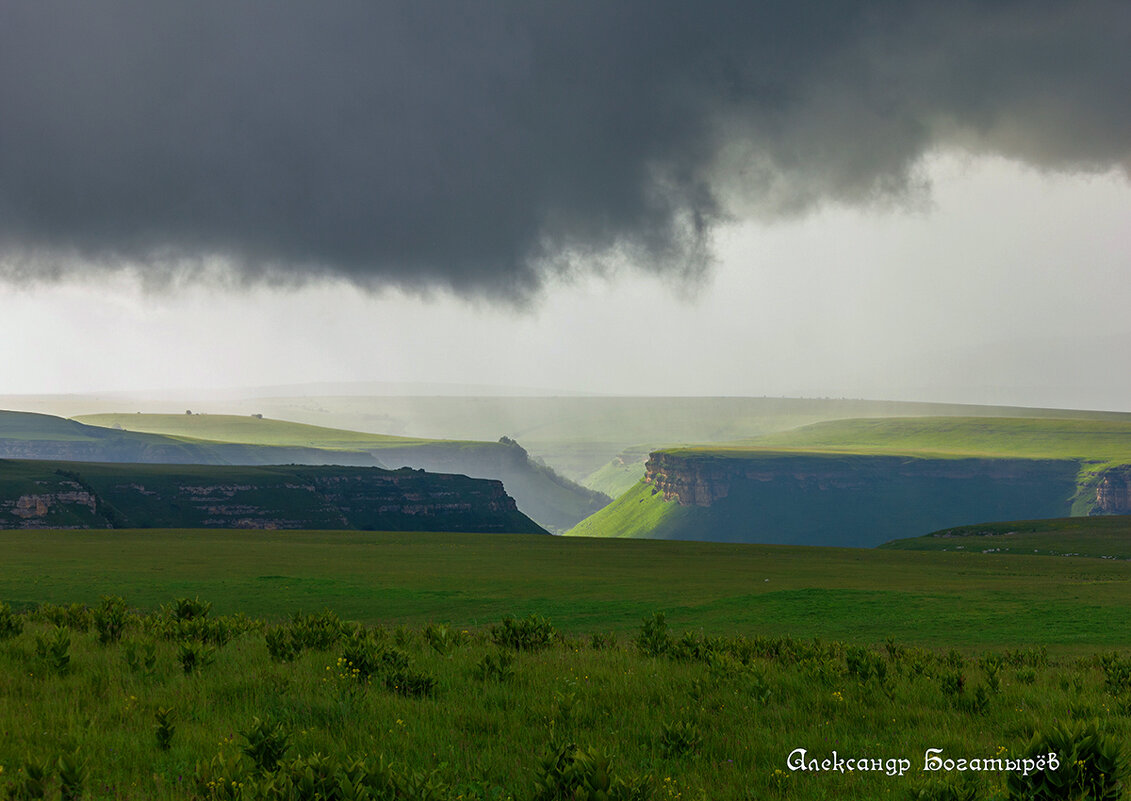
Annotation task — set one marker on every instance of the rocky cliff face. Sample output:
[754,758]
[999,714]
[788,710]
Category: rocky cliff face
[550,499]
[68,506]
[289,497]
[692,479]
[841,499]
[1113,492]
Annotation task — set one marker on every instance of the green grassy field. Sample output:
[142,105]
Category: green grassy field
[1095,537]
[963,600]
[19,426]
[1098,441]
[204,707]
[436,698]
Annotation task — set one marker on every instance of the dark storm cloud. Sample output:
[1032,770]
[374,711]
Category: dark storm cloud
[479,146]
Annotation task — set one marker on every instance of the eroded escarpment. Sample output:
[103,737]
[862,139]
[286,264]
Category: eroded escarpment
[693,479]
[56,495]
[1113,492]
[67,505]
[857,500]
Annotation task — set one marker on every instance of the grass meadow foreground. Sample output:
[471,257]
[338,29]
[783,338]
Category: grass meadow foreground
[535,668]
[103,703]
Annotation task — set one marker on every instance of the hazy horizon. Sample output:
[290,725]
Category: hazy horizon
[781,200]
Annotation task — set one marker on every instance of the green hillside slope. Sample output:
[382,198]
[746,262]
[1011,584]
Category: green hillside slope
[1101,441]
[619,475]
[248,429]
[1106,537]
[25,435]
[639,513]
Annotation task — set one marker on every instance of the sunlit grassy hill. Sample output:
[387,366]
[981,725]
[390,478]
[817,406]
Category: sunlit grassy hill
[248,429]
[1107,537]
[26,435]
[1095,441]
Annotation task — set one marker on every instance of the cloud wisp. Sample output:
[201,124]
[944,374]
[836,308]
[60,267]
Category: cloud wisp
[480,147]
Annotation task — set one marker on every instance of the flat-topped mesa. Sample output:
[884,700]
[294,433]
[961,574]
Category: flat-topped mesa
[83,495]
[1113,492]
[702,479]
[705,478]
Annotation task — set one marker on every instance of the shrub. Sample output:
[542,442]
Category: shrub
[164,728]
[952,682]
[1117,672]
[140,660]
[442,638]
[863,665]
[281,646]
[316,776]
[679,738]
[31,782]
[188,609]
[1029,657]
[267,743]
[654,639]
[110,618]
[495,667]
[1092,766]
[53,650]
[977,703]
[195,657]
[403,636]
[75,616]
[953,659]
[72,777]
[586,774]
[319,632]
[760,688]
[533,633]
[991,666]
[690,648]
[361,658]
[410,683]
[895,651]
[10,624]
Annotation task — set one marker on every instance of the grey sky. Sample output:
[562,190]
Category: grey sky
[482,146]
[1012,288]
[871,199]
